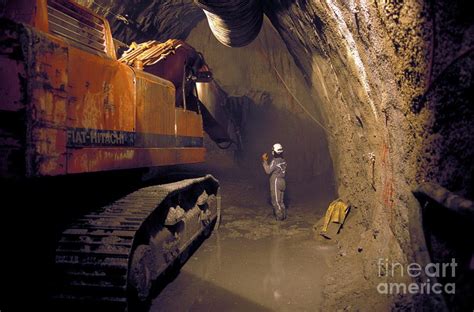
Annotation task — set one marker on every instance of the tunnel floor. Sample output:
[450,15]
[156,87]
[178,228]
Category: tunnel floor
[252,262]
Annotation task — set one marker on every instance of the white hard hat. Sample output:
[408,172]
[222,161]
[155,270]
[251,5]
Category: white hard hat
[277,148]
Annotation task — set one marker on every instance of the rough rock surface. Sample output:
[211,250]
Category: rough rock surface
[393,82]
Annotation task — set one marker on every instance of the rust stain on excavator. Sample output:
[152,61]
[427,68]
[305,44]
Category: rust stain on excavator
[48,111]
[154,118]
[101,91]
[12,69]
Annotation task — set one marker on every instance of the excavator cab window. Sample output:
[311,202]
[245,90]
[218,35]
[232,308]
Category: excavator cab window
[204,76]
[192,99]
[190,93]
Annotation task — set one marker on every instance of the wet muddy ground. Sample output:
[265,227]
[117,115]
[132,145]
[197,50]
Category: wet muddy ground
[252,262]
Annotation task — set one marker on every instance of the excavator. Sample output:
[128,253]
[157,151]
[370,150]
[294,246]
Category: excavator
[69,106]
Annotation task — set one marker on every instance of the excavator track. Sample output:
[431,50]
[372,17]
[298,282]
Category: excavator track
[107,257]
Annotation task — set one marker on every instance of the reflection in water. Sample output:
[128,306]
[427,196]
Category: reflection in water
[276,273]
[272,282]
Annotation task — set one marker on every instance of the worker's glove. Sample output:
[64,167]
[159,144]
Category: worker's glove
[265,157]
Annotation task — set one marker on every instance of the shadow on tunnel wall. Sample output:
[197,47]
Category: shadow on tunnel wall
[447,160]
[446,233]
[448,151]
[447,100]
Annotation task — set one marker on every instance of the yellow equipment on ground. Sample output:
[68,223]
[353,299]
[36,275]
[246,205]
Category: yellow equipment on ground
[334,219]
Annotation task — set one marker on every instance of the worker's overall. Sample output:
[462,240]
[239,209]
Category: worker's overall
[277,170]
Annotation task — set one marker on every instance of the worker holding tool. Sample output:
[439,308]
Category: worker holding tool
[276,169]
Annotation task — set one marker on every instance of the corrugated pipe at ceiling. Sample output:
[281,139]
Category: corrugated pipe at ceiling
[234,23]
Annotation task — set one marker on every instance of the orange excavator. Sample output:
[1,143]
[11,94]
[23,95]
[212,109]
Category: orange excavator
[69,106]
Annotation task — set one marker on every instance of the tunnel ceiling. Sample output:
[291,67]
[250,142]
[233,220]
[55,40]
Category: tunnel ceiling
[141,20]
[393,82]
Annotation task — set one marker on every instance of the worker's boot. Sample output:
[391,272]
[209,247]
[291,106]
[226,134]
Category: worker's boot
[279,214]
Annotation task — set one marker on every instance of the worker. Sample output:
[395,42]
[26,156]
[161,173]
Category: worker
[276,169]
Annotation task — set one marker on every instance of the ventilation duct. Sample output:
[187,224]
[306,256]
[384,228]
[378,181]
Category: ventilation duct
[234,23]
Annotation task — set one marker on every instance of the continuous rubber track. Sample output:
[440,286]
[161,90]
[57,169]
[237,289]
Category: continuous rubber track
[93,255]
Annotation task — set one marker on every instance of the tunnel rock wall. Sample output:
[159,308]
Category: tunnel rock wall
[374,66]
